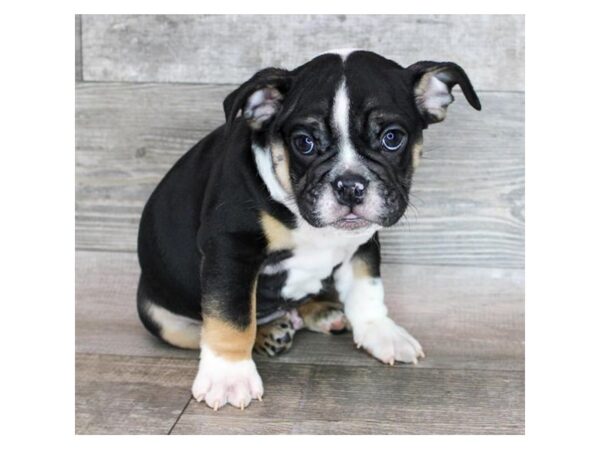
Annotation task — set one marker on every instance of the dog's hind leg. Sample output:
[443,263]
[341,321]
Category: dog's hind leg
[324,316]
[320,315]
[177,330]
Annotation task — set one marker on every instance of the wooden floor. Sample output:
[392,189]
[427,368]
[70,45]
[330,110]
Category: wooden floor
[469,320]
[453,270]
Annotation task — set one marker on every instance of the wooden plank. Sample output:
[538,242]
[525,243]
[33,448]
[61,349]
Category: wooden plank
[135,395]
[78,55]
[468,193]
[464,317]
[130,395]
[306,399]
[106,320]
[230,48]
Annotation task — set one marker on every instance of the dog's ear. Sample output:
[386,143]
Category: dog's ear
[433,88]
[259,98]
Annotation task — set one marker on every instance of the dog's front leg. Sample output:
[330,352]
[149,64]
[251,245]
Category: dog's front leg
[361,290]
[227,373]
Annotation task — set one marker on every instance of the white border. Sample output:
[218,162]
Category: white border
[562,224]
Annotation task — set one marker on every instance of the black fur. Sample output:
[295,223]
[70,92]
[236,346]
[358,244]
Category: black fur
[200,240]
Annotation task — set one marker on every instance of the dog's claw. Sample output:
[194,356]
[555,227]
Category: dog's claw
[216,407]
[260,398]
[242,405]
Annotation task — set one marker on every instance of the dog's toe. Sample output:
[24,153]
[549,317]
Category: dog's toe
[275,338]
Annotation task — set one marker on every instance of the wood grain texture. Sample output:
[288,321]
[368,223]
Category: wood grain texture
[308,399]
[465,318]
[78,53]
[130,395]
[230,48]
[468,206]
[136,395]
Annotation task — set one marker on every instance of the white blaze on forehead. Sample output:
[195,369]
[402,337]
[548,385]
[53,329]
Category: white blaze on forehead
[341,123]
[343,52]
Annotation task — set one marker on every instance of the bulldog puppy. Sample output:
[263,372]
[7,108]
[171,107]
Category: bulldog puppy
[269,224]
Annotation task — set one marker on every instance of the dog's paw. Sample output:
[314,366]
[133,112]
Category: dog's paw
[387,341]
[276,337]
[220,381]
[324,317]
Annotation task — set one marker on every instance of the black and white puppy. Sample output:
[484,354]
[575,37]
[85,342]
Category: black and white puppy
[274,215]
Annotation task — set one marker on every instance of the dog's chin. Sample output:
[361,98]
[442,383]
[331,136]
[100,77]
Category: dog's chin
[352,222]
[357,222]
[347,221]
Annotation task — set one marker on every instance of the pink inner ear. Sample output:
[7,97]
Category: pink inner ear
[433,97]
[261,106]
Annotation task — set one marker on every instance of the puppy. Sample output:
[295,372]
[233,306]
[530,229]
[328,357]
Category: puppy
[269,224]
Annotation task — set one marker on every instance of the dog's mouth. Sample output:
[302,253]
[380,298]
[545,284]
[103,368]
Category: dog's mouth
[351,221]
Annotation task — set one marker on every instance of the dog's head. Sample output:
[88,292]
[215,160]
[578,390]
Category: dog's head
[339,137]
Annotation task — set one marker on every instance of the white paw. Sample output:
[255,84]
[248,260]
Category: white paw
[220,381]
[387,341]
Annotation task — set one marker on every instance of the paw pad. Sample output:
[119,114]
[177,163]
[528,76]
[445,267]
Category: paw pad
[275,338]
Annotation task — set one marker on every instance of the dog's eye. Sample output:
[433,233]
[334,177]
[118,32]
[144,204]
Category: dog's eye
[394,139]
[304,143]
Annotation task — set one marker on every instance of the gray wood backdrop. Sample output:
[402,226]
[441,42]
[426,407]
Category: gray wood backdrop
[149,87]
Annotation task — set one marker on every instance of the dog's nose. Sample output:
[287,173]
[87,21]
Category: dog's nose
[350,189]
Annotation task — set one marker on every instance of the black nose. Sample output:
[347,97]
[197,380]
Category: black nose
[350,189]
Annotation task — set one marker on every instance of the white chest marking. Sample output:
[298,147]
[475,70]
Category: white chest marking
[307,268]
[317,251]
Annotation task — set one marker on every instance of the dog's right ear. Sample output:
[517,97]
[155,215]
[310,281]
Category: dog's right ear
[259,98]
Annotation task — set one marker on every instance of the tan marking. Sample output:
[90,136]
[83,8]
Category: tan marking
[360,269]
[417,152]
[311,310]
[317,315]
[281,166]
[279,237]
[228,341]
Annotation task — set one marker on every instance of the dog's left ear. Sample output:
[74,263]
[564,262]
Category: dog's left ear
[259,98]
[433,88]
